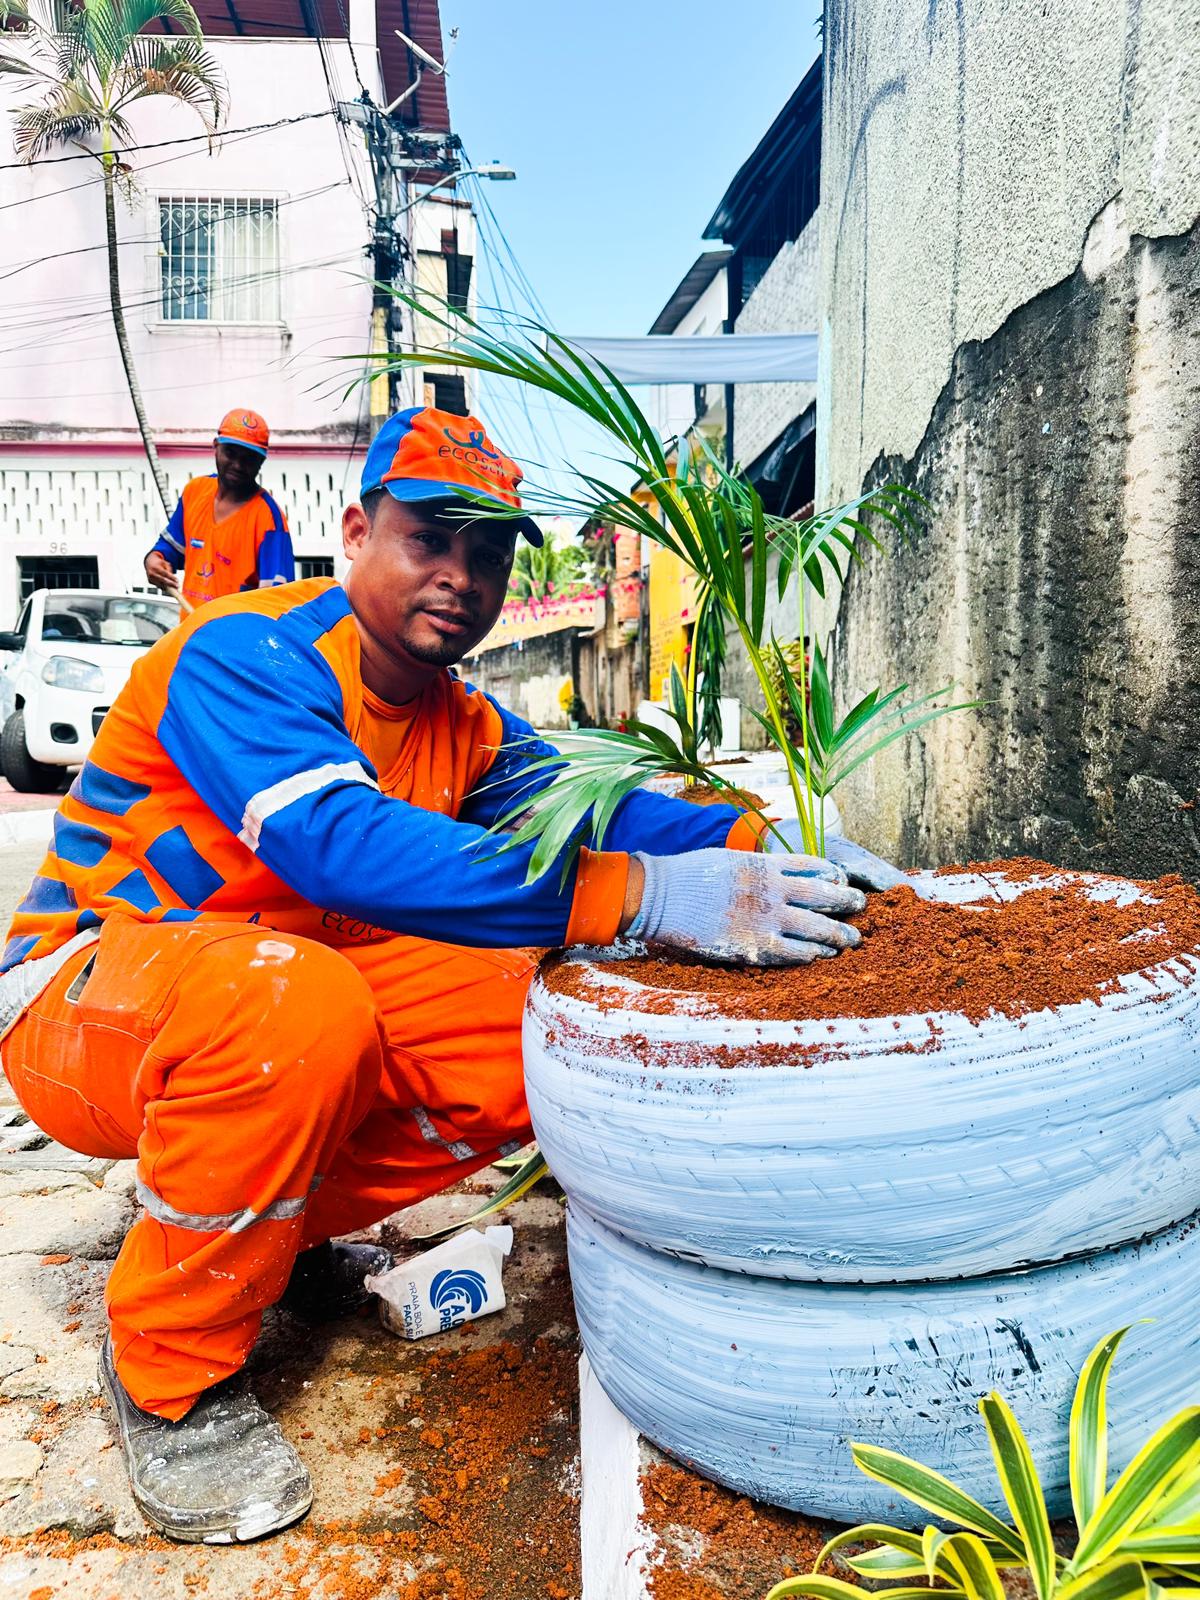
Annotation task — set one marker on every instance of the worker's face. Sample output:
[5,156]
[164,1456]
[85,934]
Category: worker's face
[237,469]
[425,585]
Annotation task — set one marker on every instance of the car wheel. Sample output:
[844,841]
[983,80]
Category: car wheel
[762,1383]
[26,775]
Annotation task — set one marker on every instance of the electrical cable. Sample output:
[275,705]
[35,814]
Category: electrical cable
[17,268]
[516,290]
[161,144]
[152,166]
[241,281]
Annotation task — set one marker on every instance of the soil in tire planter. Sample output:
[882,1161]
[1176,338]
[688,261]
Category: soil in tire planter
[1048,947]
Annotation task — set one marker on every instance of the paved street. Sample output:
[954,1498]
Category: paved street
[438,1466]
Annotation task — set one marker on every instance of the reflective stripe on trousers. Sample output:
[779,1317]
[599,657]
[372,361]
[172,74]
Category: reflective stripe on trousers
[198,1048]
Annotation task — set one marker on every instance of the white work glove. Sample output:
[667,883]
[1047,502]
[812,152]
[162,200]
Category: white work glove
[861,866]
[736,905]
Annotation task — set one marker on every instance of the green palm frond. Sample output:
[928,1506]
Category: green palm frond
[587,783]
[66,115]
[179,69]
[714,521]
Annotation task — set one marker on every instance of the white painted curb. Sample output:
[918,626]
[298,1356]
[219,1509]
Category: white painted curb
[27,827]
[613,1543]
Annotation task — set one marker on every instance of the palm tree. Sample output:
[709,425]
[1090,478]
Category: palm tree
[539,572]
[92,61]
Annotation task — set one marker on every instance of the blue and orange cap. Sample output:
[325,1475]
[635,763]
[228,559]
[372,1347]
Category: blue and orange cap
[245,429]
[425,454]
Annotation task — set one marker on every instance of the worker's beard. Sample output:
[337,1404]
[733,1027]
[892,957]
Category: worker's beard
[443,654]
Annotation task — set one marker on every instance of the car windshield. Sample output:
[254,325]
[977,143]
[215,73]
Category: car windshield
[107,619]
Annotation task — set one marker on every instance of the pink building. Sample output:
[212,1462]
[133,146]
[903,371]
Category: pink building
[246,276]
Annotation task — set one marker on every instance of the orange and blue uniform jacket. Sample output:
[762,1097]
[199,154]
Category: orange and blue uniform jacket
[249,549]
[234,780]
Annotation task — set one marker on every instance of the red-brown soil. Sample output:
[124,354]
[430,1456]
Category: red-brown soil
[1049,947]
[713,1544]
[708,794]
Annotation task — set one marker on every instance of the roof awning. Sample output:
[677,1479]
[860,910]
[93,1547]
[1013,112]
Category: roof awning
[733,358]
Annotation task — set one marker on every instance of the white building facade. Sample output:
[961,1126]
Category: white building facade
[246,277]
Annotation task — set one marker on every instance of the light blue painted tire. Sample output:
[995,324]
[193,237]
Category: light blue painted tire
[760,1383]
[886,1150]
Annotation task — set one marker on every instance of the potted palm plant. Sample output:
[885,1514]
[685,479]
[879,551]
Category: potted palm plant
[1002,1074]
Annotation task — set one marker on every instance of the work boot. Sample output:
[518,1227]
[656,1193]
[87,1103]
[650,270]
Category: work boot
[223,1474]
[327,1281]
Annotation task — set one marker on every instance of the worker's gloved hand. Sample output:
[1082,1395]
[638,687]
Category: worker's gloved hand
[737,905]
[861,866]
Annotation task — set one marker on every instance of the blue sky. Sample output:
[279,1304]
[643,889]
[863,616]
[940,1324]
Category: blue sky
[625,122]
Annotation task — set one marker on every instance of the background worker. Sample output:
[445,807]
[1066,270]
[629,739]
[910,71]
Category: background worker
[227,533]
[274,953]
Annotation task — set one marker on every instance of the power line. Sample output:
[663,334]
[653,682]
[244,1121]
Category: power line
[161,144]
[152,166]
[17,268]
[104,310]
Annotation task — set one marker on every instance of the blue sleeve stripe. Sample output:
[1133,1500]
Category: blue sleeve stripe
[182,868]
[165,546]
[107,791]
[77,843]
[87,919]
[179,916]
[16,950]
[135,890]
[49,894]
[273,508]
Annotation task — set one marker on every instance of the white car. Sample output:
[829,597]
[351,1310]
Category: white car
[62,667]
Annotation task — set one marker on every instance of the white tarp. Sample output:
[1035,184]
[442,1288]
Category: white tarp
[733,358]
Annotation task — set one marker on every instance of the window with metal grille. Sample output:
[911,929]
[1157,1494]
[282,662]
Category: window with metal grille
[219,259]
[57,572]
[314,566]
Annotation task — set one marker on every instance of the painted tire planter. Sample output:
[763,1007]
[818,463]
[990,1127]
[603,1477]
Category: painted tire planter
[760,1383]
[861,1153]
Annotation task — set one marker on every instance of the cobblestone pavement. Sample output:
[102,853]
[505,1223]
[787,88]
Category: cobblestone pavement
[443,1468]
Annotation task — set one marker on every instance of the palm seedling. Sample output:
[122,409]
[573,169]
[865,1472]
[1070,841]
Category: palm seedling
[1138,1539]
[715,522]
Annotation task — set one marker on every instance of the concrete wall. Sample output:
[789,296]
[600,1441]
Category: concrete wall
[1011,323]
[527,677]
[785,300]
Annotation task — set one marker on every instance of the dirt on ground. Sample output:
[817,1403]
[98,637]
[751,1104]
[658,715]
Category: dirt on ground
[445,1469]
[713,1544]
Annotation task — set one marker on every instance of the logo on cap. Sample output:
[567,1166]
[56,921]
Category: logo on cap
[475,440]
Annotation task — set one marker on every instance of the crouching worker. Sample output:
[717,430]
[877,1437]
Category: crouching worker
[273,954]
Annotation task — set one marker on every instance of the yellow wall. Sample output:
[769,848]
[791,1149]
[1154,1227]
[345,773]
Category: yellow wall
[672,610]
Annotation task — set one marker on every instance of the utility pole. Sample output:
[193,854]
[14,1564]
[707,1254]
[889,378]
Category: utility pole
[397,155]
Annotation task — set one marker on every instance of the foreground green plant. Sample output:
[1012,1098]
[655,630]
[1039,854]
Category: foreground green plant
[1138,1540]
[715,522]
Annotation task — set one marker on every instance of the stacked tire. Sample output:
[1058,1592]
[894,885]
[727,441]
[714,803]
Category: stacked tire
[785,1236]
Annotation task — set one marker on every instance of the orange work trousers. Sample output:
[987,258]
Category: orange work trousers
[276,1092]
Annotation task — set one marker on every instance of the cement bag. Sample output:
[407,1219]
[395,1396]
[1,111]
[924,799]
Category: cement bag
[444,1287]
[871,1150]
[760,1383]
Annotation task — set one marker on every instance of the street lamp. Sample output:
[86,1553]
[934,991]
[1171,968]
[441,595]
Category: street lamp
[500,174]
